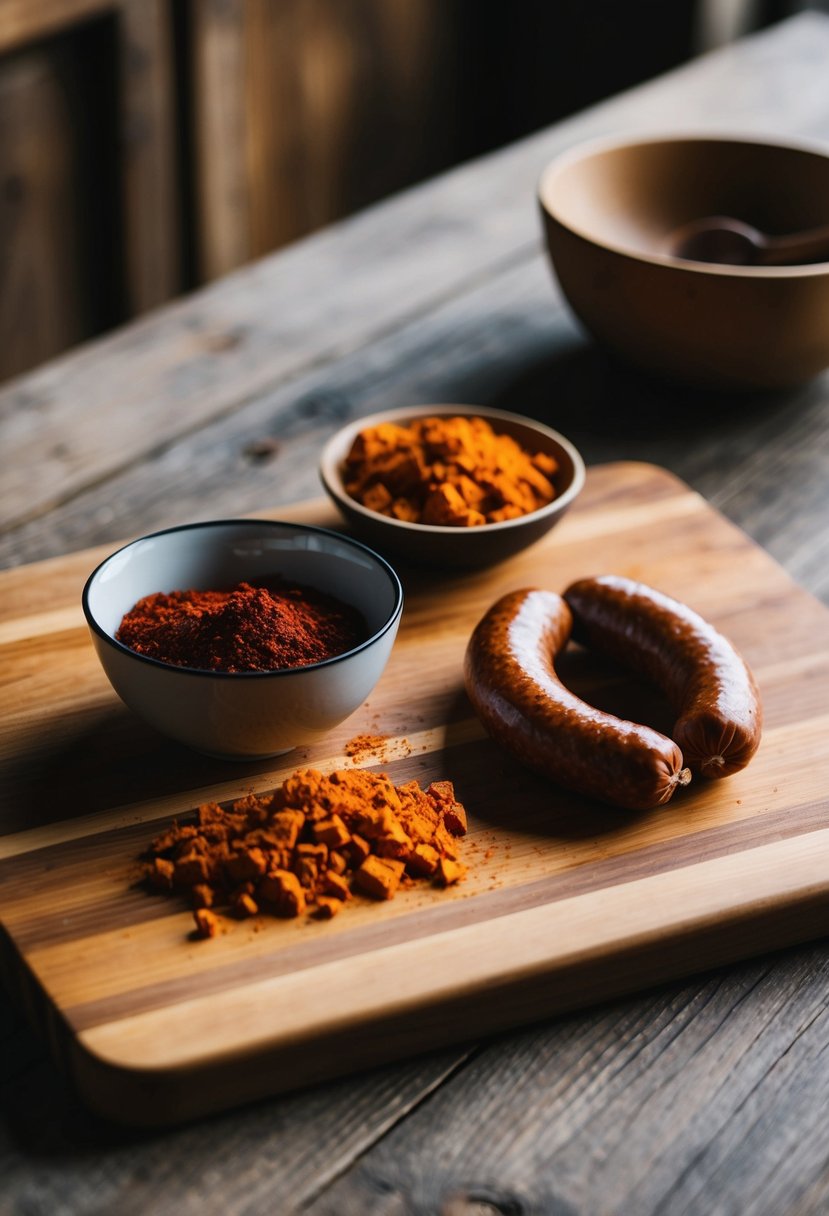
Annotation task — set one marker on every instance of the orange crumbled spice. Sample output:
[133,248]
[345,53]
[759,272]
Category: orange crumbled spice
[424,859]
[206,923]
[310,845]
[359,849]
[245,905]
[363,745]
[337,864]
[332,832]
[449,871]
[326,907]
[336,885]
[448,471]
[202,896]
[379,877]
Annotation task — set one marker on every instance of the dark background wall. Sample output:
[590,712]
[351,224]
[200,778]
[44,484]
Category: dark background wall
[147,146]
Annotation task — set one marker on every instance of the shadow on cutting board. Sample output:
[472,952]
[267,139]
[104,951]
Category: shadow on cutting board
[499,791]
[98,760]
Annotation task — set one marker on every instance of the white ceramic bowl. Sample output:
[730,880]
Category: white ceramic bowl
[455,547]
[244,714]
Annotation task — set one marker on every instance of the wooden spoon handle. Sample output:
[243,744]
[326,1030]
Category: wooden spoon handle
[809,246]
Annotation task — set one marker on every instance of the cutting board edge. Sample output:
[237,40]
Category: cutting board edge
[168,1097]
[481,983]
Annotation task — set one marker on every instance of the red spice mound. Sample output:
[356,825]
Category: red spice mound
[246,629]
[308,846]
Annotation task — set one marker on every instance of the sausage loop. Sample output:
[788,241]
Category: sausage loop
[708,683]
[513,685]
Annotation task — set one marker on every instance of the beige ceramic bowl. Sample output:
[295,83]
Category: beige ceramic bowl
[448,547]
[608,211]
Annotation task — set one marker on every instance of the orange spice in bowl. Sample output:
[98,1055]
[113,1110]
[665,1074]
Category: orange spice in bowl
[456,472]
[466,539]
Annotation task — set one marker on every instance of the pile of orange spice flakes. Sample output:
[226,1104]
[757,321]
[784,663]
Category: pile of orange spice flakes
[455,472]
[364,745]
[309,846]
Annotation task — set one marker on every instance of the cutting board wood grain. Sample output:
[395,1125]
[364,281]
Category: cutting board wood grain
[566,902]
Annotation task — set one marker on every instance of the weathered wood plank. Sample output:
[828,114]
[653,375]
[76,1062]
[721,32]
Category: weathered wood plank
[44,297]
[147,134]
[330,83]
[272,1157]
[508,342]
[700,1099]
[219,69]
[196,360]
[24,21]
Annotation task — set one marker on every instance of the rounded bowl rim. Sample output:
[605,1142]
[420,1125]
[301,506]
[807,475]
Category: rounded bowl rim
[585,149]
[561,502]
[119,647]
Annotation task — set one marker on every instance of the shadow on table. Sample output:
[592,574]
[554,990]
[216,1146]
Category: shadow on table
[607,405]
[42,1117]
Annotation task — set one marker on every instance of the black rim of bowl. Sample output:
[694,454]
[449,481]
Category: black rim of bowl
[384,565]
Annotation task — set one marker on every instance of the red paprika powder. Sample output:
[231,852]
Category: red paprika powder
[245,629]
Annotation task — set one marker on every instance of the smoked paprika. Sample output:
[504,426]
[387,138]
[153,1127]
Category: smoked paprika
[248,628]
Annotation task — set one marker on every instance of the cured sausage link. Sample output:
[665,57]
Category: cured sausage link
[512,683]
[707,682]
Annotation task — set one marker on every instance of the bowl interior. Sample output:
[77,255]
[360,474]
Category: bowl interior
[220,555]
[632,196]
[531,436]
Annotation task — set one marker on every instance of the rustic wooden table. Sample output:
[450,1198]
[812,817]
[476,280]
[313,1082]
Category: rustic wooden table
[706,1096]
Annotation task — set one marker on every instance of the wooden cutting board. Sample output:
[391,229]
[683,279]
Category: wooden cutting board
[566,902]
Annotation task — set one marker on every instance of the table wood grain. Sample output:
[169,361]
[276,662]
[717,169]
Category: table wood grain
[701,1097]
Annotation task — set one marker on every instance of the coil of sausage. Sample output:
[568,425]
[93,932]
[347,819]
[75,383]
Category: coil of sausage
[511,680]
[707,682]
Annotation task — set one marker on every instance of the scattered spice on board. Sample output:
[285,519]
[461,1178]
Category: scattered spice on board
[368,747]
[310,846]
[362,745]
[448,471]
[245,629]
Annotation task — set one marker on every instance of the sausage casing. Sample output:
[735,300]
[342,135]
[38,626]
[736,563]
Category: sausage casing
[703,676]
[511,680]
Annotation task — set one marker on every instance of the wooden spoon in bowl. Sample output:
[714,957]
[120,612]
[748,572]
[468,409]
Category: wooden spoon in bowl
[719,238]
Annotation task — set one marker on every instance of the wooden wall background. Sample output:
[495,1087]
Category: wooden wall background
[147,146]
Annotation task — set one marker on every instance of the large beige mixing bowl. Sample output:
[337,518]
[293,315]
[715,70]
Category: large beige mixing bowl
[609,210]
